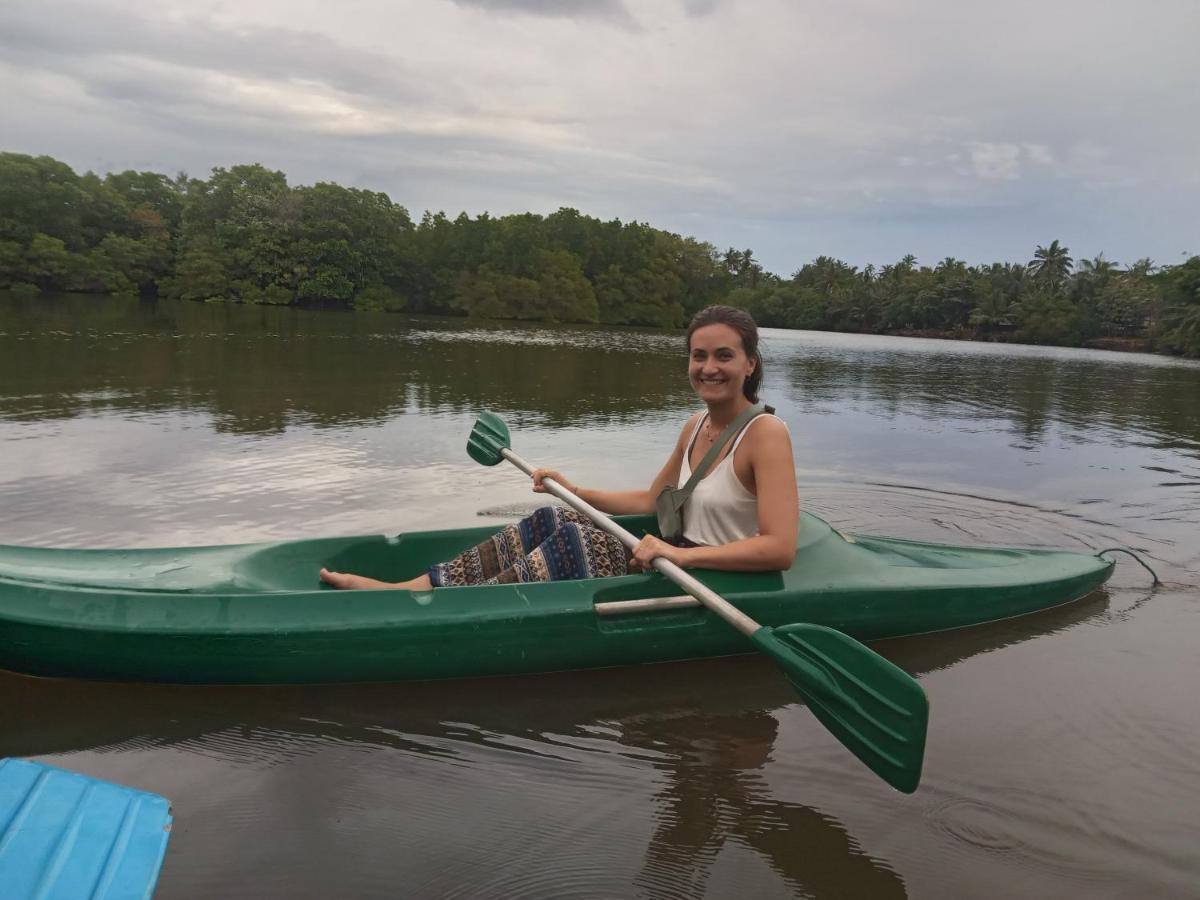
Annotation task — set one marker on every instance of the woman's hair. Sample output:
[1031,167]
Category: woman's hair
[743,323]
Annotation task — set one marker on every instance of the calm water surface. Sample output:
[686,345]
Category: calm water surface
[1061,756]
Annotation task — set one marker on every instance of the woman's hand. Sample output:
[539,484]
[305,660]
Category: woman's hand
[539,474]
[650,547]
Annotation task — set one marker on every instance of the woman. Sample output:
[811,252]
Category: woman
[742,515]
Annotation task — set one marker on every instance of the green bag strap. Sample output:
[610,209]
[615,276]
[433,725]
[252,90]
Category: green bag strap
[740,422]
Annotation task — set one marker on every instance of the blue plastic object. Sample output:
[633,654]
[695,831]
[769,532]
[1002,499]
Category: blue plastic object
[65,836]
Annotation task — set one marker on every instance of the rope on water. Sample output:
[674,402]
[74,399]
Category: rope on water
[1140,561]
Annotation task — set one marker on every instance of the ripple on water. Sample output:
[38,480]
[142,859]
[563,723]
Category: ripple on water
[537,805]
[976,824]
[1033,832]
[579,873]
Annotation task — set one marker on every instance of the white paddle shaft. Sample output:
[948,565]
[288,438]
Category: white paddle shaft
[704,594]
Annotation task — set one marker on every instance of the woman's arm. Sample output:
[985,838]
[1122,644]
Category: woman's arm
[774,547]
[618,503]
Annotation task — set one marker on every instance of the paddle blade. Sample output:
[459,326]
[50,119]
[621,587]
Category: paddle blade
[488,438]
[873,707]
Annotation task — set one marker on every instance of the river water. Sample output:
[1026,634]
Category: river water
[1061,757]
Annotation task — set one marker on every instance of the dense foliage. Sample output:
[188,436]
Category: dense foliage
[1047,301]
[246,235]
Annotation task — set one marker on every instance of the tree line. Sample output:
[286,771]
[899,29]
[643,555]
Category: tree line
[245,235]
[1048,300]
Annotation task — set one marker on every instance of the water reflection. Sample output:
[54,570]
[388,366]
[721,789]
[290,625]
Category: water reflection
[1107,395]
[715,793]
[261,369]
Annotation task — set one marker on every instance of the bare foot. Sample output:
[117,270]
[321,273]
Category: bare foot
[347,582]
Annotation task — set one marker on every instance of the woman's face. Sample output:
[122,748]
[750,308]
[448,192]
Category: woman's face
[718,365]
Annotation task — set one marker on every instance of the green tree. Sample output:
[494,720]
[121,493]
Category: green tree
[121,264]
[743,269]
[202,272]
[50,265]
[1051,265]
[39,194]
[566,295]
[12,263]
[151,191]
[236,223]
[477,294]
[380,297]
[1179,329]
[1049,317]
[1123,306]
[344,239]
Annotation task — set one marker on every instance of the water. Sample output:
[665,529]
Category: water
[1061,748]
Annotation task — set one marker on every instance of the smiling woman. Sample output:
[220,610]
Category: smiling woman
[739,503]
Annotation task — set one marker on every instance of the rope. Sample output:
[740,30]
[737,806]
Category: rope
[1140,561]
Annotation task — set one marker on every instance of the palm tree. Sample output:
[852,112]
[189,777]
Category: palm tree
[991,310]
[1098,268]
[1092,276]
[1007,278]
[1052,263]
[824,274]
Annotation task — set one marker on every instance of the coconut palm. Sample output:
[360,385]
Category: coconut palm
[1097,268]
[1051,264]
[825,274]
[1092,276]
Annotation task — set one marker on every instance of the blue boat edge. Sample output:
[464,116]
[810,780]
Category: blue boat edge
[68,835]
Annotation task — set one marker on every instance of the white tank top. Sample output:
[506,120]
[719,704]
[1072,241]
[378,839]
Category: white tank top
[720,510]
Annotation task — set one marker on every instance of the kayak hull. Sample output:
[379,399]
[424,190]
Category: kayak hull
[256,614]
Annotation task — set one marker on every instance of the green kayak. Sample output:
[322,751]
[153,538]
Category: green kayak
[256,613]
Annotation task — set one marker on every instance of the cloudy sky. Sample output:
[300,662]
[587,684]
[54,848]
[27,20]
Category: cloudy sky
[863,129]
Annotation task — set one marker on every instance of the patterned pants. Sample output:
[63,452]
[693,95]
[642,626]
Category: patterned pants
[552,544]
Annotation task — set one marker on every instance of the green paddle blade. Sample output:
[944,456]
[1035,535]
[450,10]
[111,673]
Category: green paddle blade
[876,709]
[488,438]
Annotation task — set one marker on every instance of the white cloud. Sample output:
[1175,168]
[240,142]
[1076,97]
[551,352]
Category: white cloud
[996,161]
[613,10]
[1003,161]
[1039,153]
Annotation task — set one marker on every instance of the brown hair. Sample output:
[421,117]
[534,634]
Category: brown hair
[743,323]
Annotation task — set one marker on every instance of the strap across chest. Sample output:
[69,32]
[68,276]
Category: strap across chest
[731,430]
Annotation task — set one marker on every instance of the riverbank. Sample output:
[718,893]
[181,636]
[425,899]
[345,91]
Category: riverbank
[1123,344]
[1119,344]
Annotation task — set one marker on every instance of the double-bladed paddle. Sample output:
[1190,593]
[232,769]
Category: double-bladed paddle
[873,707]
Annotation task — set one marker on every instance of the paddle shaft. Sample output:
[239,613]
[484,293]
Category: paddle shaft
[704,594]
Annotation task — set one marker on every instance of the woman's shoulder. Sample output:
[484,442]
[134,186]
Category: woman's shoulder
[770,423]
[768,428]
